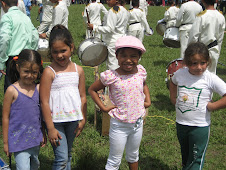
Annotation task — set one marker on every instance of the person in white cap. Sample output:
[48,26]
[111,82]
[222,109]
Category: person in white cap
[130,96]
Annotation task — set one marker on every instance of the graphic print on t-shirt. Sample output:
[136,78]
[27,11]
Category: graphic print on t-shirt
[188,98]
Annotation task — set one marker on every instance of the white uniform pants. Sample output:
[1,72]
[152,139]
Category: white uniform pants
[214,56]
[112,61]
[44,26]
[184,35]
[123,135]
[137,33]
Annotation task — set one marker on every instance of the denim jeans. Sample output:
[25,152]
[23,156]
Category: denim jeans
[62,153]
[27,159]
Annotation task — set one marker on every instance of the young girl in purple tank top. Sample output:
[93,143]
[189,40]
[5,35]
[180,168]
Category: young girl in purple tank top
[23,133]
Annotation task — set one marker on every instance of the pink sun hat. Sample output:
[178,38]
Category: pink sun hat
[129,41]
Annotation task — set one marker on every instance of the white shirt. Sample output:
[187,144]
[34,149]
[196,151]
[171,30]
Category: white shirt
[60,16]
[137,15]
[47,10]
[194,93]
[94,10]
[115,25]
[170,16]
[208,27]
[21,6]
[187,14]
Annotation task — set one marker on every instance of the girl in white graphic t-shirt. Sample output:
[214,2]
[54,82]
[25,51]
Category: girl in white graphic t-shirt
[191,92]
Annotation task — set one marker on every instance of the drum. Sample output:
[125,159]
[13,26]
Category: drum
[171,68]
[161,27]
[43,49]
[92,52]
[171,37]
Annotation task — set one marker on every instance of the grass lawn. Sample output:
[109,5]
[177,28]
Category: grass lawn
[159,149]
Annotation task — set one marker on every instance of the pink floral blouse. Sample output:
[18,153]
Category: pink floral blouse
[126,92]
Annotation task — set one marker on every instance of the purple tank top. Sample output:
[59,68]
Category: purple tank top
[25,122]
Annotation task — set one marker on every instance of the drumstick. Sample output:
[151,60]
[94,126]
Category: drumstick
[87,14]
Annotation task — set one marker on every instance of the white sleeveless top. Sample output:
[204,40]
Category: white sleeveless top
[65,101]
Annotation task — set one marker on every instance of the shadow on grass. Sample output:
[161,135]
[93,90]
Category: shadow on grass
[149,163]
[98,121]
[1,114]
[163,103]
[161,62]
[221,71]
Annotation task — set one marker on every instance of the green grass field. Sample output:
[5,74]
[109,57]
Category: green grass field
[159,149]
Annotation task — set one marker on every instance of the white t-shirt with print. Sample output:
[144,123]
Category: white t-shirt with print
[193,95]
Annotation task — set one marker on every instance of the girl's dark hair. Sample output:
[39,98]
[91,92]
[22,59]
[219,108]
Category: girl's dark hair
[210,2]
[193,49]
[25,55]
[61,33]
[122,49]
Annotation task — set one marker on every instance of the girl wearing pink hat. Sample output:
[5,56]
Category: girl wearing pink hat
[130,96]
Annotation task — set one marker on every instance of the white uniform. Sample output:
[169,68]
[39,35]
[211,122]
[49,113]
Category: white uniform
[21,6]
[137,23]
[117,19]
[46,17]
[170,16]
[185,18]
[143,4]
[94,10]
[209,27]
[60,16]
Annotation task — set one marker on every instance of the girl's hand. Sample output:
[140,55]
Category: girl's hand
[108,108]
[80,127]
[6,150]
[54,137]
[210,106]
[44,141]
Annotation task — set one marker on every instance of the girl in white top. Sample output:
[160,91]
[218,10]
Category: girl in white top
[138,22]
[94,10]
[63,97]
[115,27]
[191,91]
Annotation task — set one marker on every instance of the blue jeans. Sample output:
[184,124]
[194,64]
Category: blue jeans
[62,153]
[27,159]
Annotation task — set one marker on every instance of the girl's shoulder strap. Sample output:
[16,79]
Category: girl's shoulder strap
[52,70]
[76,68]
[15,87]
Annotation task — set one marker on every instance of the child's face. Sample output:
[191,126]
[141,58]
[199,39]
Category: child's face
[198,65]
[28,72]
[61,52]
[112,3]
[127,60]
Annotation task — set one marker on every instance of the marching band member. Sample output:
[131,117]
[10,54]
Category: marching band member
[185,18]
[115,27]
[170,15]
[94,10]
[208,28]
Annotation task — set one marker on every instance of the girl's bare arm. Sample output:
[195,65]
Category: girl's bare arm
[220,104]
[82,91]
[173,92]
[45,86]
[147,101]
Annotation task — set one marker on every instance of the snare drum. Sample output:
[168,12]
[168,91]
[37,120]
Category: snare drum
[92,52]
[161,27]
[172,67]
[43,49]
[171,37]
